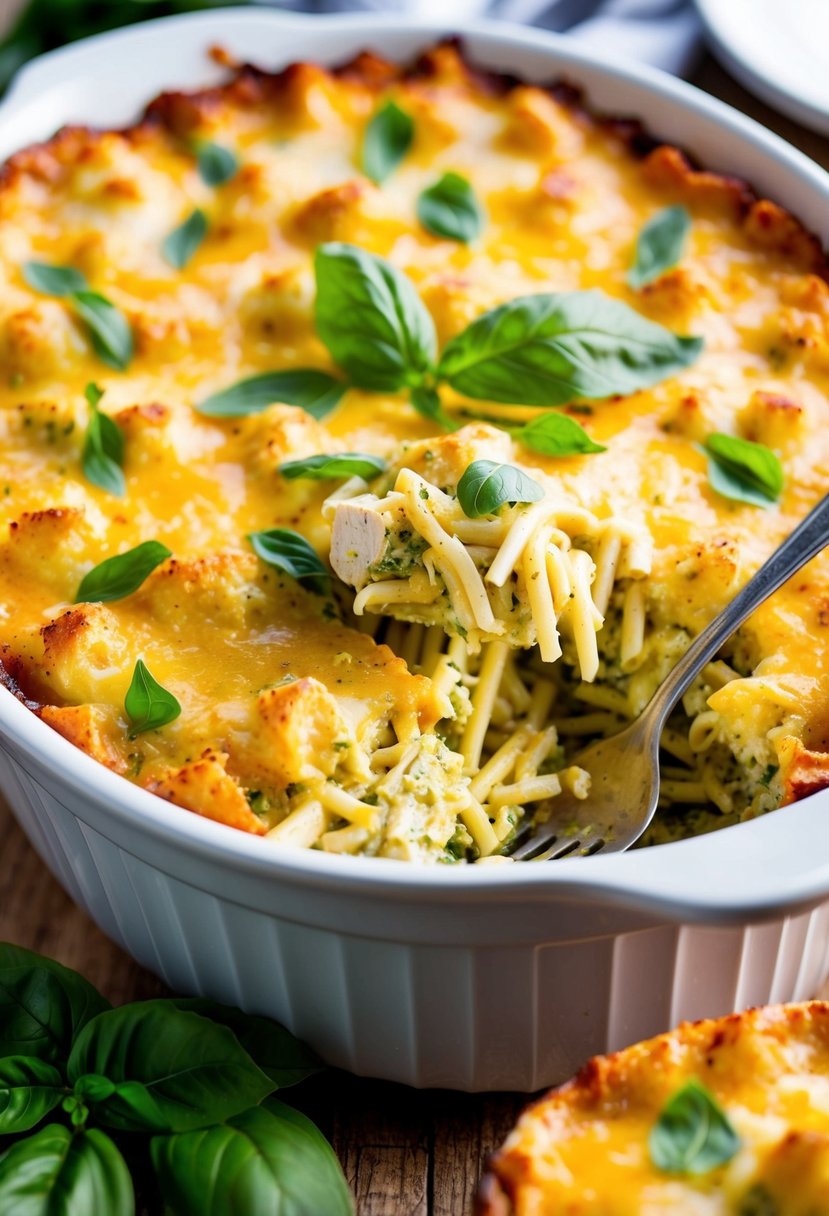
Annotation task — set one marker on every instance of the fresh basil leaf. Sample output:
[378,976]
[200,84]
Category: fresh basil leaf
[29,1089]
[103,448]
[551,349]
[109,329]
[172,1070]
[372,320]
[660,245]
[94,394]
[60,1173]
[179,247]
[269,1159]
[329,468]
[692,1134]
[388,137]
[217,164]
[289,552]
[556,435]
[486,486]
[313,391]
[148,705]
[54,280]
[284,1059]
[116,577]
[744,471]
[43,1005]
[427,402]
[450,209]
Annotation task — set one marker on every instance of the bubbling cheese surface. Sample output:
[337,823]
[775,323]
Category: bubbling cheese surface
[278,695]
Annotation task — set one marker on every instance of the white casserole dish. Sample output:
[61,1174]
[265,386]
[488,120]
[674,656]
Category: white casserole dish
[477,978]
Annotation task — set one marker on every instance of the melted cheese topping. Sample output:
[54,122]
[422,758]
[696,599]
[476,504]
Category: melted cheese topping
[564,197]
[583,1149]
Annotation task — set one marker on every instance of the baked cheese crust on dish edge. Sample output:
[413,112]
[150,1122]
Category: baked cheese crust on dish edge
[358,655]
[724,1117]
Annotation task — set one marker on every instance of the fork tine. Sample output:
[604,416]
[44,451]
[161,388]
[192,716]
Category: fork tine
[553,847]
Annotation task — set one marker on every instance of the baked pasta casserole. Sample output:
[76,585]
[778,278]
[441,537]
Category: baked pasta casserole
[726,1117]
[373,438]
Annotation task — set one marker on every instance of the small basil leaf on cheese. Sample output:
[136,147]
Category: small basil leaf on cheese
[330,468]
[314,391]
[486,486]
[178,248]
[148,705]
[217,164]
[103,448]
[370,317]
[450,209]
[387,138]
[552,349]
[53,280]
[744,471]
[116,577]
[556,435]
[660,245]
[427,402]
[693,1134]
[109,329]
[289,552]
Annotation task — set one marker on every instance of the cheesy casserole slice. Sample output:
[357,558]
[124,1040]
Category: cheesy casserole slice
[344,653]
[725,1117]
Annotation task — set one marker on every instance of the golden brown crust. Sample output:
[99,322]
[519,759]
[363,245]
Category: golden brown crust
[751,1060]
[250,87]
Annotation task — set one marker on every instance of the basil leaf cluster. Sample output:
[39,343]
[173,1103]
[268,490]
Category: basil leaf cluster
[543,350]
[108,328]
[187,1083]
[693,1134]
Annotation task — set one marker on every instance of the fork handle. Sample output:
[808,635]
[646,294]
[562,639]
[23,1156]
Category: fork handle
[805,542]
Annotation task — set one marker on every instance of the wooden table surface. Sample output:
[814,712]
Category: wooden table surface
[405,1152]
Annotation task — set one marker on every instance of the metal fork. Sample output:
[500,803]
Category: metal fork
[624,769]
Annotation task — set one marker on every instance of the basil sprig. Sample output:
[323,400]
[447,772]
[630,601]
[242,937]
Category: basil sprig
[535,350]
[552,349]
[109,330]
[556,435]
[660,245]
[486,486]
[693,1134]
[386,140]
[450,209]
[148,705]
[744,471]
[180,246]
[291,553]
[427,402]
[217,164]
[103,447]
[330,468]
[314,391]
[372,320]
[181,1085]
[116,577]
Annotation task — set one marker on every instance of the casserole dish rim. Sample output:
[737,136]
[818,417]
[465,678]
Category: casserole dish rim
[669,879]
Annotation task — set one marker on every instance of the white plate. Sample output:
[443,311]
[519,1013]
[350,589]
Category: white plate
[779,50]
